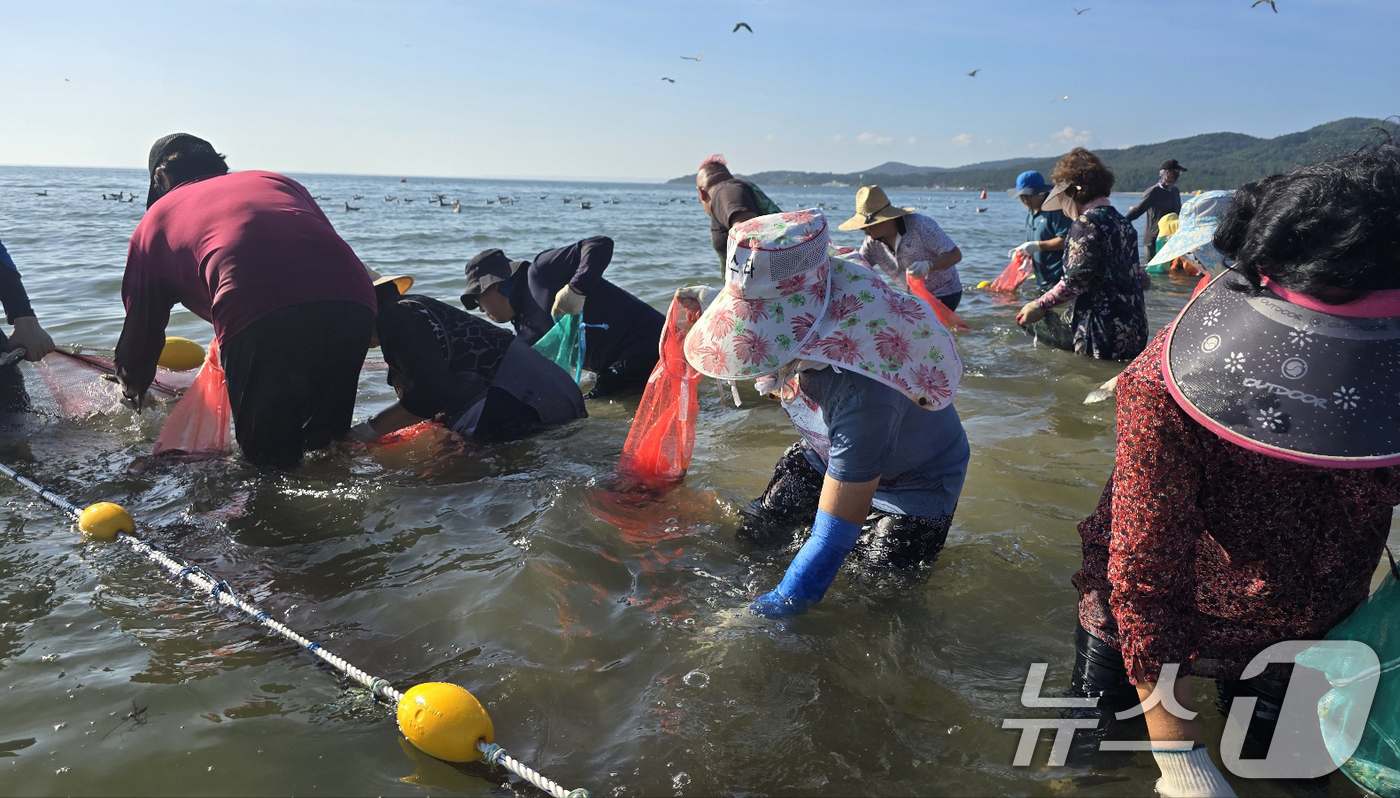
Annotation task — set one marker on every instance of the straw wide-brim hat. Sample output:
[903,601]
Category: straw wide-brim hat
[1195,230]
[872,207]
[1289,376]
[401,281]
[787,298]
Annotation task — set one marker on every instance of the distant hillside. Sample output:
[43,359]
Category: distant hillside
[1213,160]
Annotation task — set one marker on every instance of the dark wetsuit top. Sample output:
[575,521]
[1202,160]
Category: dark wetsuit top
[442,362]
[633,331]
[12,293]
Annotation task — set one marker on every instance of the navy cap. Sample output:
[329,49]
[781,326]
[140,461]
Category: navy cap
[1029,183]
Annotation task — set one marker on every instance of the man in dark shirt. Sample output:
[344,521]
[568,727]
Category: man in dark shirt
[1158,201]
[621,333]
[728,200]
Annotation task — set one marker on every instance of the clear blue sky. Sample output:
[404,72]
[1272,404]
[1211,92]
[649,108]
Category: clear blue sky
[573,89]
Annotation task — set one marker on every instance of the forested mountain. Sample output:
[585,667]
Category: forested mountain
[1213,160]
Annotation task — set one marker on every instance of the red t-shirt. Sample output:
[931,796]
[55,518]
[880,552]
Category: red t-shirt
[232,249]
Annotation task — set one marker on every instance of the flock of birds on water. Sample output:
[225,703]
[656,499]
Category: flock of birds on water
[502,200]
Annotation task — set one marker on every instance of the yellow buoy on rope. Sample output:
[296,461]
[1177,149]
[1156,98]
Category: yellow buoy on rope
[445,721]
[181,354]
[104,520]
[984,284]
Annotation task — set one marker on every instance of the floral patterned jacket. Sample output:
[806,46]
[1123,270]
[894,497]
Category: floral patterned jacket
[1105,280]
[923,239]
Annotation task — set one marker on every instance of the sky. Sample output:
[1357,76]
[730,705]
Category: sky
[548,88]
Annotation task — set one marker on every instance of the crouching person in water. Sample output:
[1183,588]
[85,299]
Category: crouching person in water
[620,331]
[472,377]
[866,374]
[1255,472]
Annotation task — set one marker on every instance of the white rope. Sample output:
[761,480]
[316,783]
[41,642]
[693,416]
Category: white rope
[220,592]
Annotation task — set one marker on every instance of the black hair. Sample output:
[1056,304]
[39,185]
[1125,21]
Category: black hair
[192,162]
[1330,230]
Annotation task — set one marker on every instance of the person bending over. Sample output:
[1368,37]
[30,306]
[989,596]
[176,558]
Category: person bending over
[471,376]
[900,242]
[621,333]
[866,374]
[291,304]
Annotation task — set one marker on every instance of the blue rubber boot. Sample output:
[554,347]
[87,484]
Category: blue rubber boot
[812,570]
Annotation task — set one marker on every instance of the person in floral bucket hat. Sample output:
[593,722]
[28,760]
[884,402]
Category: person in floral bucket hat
[867,376]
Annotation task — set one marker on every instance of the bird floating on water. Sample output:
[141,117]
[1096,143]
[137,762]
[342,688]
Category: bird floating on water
[1261,2]
[43,193]
[743,25]
[669,80]
[356,196]
[692,57]
[349,207]
[973,73]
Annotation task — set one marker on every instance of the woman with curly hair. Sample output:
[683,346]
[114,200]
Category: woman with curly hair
[1103,279]
[1255,476]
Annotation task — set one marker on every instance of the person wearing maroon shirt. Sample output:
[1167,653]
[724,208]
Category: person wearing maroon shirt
[1255,473]
[291,304]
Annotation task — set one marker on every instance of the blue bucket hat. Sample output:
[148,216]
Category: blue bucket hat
[1029,183]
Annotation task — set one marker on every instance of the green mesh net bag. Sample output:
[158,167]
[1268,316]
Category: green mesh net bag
[1373,761]
[562,345]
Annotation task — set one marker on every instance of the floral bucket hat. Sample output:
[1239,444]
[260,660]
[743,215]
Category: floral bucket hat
[1288,376]
[786,298]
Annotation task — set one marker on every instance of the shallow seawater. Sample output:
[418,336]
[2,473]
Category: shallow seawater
[609,641]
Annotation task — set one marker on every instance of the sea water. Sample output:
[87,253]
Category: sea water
[616,656]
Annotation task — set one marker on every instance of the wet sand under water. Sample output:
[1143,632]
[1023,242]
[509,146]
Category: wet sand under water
[614,656]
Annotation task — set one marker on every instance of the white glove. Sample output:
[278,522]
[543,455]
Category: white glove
[30,337]
[363,432]
[1025,249]
[568,302]
[696,296]
[919,268]
[1190,774]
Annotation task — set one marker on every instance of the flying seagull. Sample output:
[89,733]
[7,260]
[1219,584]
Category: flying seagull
[973,73]
[669,80]
[692,57]
[1262,2]
[1078,11]
[1066,97]
[743,25]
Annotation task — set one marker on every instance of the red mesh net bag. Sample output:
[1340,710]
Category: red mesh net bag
[949,319]
[1016,272]
[658,448]
[199,424]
